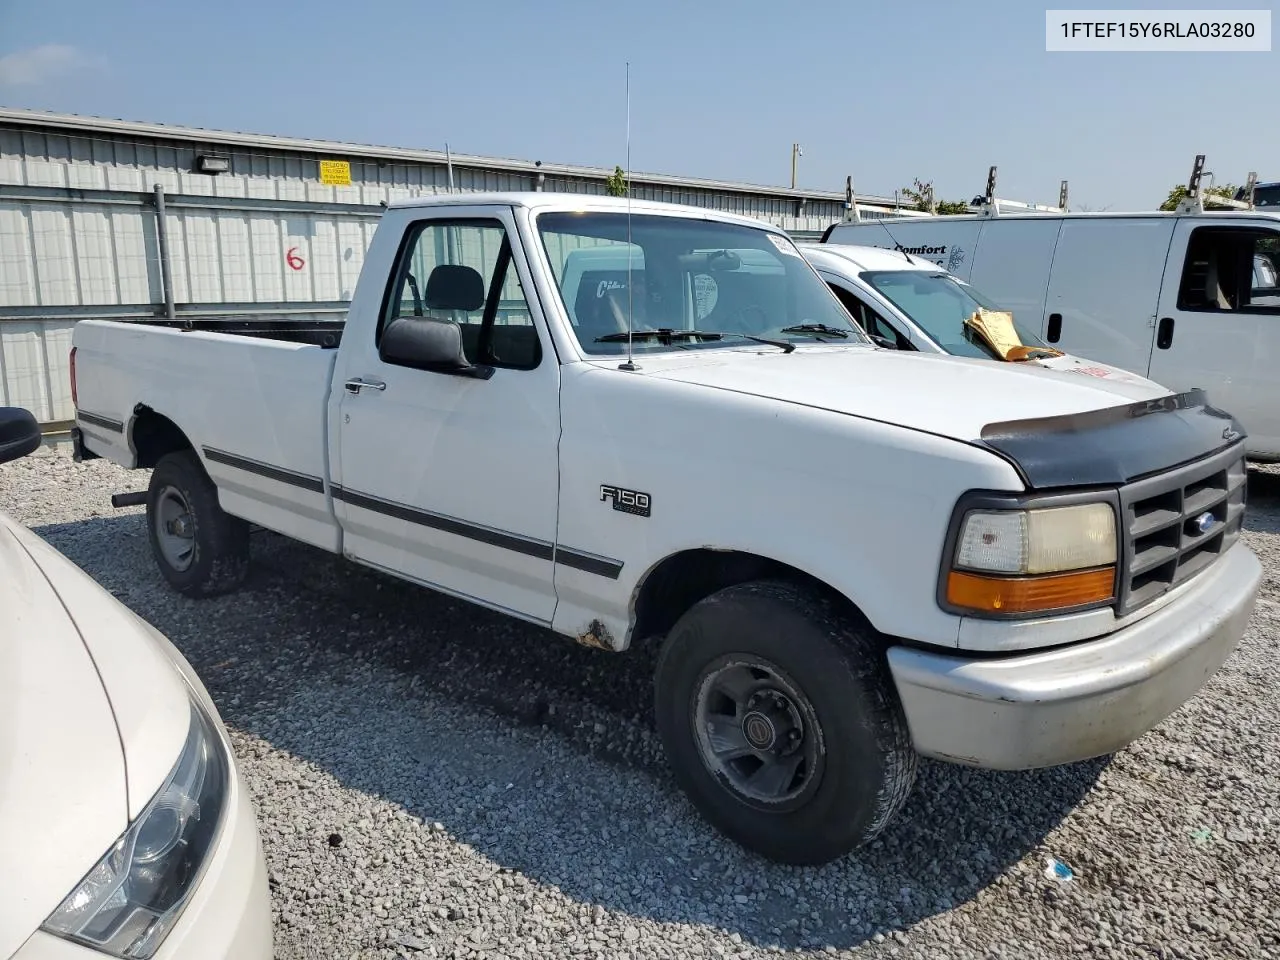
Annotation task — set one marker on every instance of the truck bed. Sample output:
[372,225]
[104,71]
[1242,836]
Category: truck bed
[319,333]
[249,395]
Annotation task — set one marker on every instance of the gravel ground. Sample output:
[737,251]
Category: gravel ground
[433,780]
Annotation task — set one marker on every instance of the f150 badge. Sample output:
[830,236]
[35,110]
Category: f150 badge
[628,501]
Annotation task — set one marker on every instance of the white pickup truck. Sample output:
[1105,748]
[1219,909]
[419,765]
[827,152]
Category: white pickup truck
[851,556]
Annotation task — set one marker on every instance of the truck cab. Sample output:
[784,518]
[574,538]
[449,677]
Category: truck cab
[637,424]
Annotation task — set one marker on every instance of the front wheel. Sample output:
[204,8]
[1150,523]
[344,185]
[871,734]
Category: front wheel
[781,722]
[201,550]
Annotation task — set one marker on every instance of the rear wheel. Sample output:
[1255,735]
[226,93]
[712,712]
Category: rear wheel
[781,722]
[201,550]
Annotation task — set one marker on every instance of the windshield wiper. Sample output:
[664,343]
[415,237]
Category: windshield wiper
[816,328]
[665,335]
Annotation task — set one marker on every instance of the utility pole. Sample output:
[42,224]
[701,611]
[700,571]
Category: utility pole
[796,151]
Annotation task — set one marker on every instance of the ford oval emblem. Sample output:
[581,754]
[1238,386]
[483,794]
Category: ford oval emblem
[1204,523]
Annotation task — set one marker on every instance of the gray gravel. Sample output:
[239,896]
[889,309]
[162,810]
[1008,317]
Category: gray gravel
[434,780]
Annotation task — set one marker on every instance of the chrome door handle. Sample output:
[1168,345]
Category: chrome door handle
[356,384]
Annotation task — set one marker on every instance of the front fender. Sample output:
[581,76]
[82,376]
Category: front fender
[860,505]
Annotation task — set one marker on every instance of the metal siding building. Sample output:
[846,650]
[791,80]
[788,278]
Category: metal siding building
[79,237]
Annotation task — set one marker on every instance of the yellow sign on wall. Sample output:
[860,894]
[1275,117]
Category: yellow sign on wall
[335,173]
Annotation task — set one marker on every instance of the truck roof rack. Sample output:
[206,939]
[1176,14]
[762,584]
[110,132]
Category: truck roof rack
[1195,200]
[989,205]
[853,209]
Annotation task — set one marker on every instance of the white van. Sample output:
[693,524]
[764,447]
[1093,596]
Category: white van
[1188,300]
[906,302]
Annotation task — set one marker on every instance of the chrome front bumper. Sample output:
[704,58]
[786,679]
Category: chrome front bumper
[1084,700]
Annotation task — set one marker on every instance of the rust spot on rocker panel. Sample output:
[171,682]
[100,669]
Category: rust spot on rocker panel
[597,635]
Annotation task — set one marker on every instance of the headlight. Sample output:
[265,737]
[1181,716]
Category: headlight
[1025,560]
[133,896]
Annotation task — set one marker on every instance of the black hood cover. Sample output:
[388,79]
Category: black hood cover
[1115,445]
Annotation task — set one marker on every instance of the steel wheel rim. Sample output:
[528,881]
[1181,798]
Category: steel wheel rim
[757,732]
[175,529]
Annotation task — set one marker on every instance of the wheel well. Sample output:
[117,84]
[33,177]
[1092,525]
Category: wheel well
[153,435]
[681,580]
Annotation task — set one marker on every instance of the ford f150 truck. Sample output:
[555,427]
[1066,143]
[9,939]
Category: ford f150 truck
[851,556]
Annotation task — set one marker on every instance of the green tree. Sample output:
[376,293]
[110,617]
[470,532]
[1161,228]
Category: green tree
[922,199]
[920,195]
[616,185]
[1179,193]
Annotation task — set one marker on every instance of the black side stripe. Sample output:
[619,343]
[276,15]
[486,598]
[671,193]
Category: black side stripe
[589,563]
[106,423]
[314,484]
[539,549]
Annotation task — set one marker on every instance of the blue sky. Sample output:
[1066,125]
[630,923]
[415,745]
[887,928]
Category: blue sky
[936,90]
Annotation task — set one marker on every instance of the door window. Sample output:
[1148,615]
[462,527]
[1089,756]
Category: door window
[1231,269]
[461,271]
[868,319]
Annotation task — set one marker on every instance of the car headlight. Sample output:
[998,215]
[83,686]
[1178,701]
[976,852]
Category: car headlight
[1022,560]
[127,904]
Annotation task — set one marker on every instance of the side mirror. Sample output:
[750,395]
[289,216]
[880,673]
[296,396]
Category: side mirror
[885,342]
[19,433]
[428,344]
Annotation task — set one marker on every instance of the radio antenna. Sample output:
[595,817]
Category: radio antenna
[630,364]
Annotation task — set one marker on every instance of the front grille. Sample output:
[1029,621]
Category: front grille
[1164,544]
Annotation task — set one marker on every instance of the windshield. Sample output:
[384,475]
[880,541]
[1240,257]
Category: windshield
[686,274]
[939,304]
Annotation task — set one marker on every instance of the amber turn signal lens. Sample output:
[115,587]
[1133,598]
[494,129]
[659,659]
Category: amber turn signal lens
[1030,594]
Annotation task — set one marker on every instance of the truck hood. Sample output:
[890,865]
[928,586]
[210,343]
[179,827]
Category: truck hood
[950,396]
[1056,427]
[92,718]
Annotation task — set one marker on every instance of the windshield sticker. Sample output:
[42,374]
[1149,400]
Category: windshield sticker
[784,245]
[706,293]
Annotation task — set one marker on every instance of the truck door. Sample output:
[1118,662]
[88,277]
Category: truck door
[1104,288]
[1219,321]
[452,480]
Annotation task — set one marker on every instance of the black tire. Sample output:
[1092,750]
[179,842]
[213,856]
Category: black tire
[858,764]
[217,559]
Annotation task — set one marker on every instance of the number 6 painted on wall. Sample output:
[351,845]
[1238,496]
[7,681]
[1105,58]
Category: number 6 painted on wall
[295,262]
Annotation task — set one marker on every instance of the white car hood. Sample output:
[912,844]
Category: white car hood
[949,396]
[85,740]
